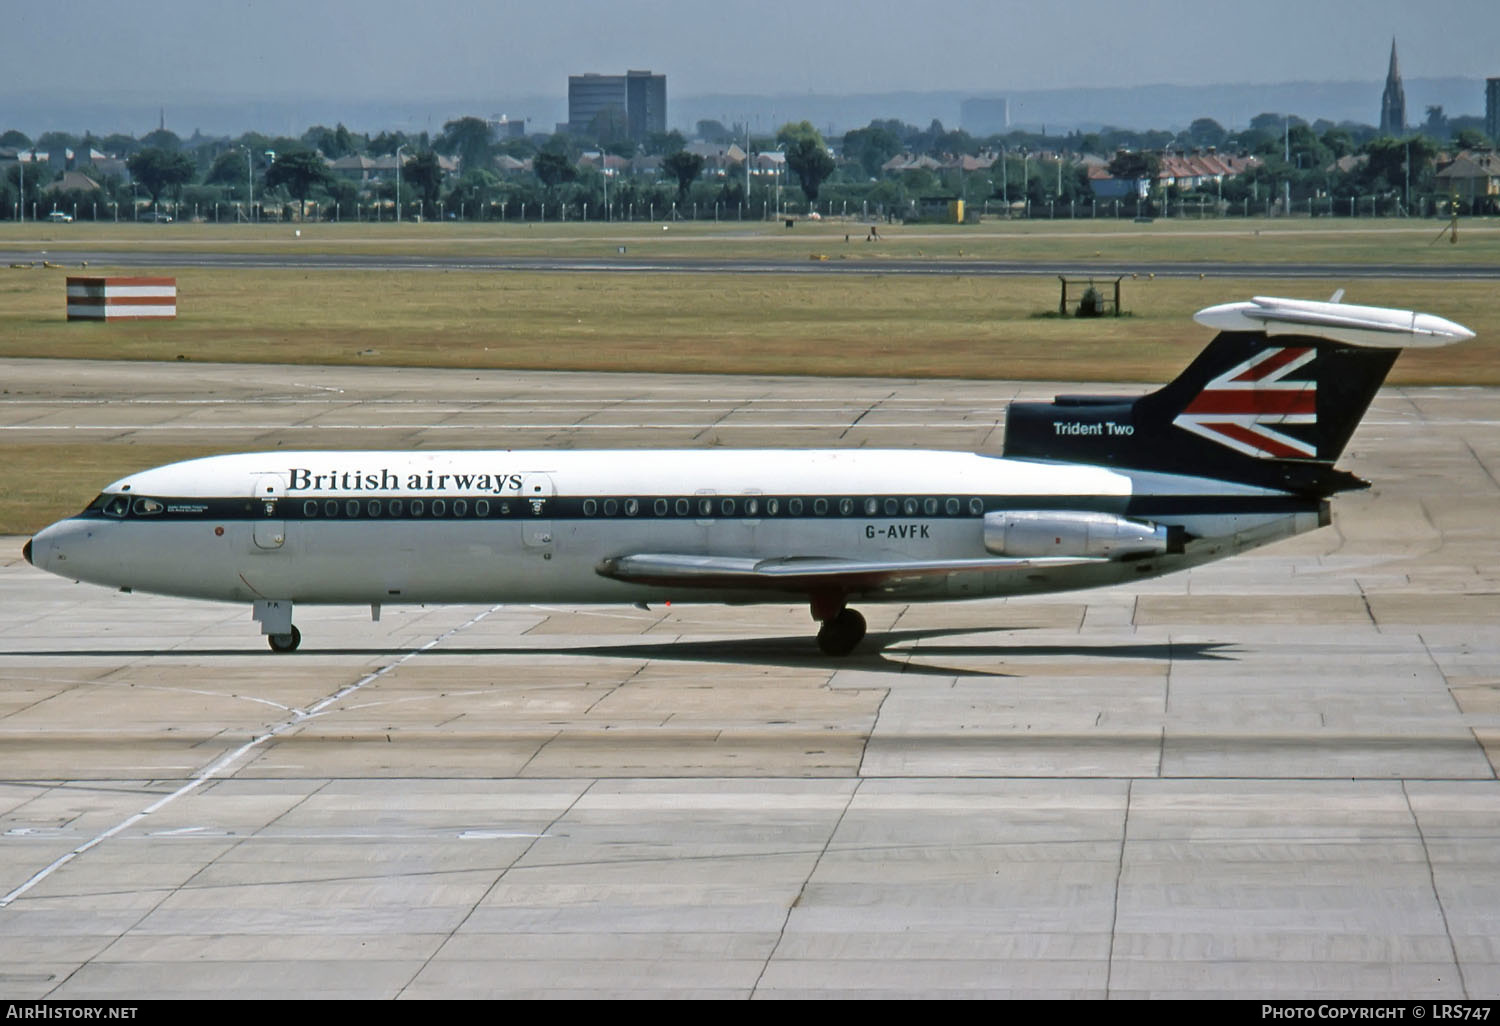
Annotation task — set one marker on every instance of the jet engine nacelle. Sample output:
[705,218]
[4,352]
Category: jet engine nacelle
[1098,535]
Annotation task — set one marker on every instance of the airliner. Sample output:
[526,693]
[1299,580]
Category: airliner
[1237,452]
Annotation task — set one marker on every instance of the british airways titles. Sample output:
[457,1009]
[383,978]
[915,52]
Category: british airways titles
[383,480]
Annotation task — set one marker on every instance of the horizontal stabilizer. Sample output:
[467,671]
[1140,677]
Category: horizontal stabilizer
[1373,326]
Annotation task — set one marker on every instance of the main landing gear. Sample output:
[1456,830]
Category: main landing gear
[275,619]
[842,629]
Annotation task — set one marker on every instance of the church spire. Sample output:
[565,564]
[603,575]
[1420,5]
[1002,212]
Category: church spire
[1393,100]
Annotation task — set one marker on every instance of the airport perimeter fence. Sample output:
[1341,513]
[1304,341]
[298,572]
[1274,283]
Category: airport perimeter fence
[1190,206]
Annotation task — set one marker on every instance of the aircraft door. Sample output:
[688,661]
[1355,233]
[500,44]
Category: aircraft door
[537,494]
[269,529]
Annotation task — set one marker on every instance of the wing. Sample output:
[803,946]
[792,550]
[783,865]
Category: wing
[806,574]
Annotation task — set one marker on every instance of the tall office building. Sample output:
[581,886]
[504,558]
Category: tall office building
[636,103]
[1393,100]
[1492,110]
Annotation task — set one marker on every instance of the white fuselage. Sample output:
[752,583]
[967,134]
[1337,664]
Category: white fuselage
[516,526]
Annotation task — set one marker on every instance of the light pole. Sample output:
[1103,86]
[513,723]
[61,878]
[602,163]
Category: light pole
[272,155]
[398,182]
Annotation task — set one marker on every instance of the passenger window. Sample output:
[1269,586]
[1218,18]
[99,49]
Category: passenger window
[909,506]
[611,507]
[659,507]
[820,506]
[331,508]
[976,506]
[418,507]
[727,506]
[632,507]
[351,508]
[373,508]
[872,506]
[752,507]
[460,507]
[794,507]
[310,508]
[683,506]
[706,507]
[439,507]
[846,506]
[952,507]
[773,506]
[891,507]
[929,506]
[394,507]
[590,507]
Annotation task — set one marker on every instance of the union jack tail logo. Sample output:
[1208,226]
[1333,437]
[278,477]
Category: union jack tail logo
[1238,408]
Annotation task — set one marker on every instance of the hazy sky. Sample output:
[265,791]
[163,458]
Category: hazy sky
[174,49]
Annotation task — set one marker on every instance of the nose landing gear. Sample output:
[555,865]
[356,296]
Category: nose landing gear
[285,642]
[275,619]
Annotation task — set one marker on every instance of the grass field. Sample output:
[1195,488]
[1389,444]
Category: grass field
[902,326]
[1105,241]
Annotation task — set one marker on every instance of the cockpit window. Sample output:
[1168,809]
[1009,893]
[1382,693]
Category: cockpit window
[115,505]
[148,507]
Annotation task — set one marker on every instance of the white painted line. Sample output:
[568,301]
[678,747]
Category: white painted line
[223,765]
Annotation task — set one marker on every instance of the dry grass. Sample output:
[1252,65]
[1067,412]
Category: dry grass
[1107,243]
[46,481]
[901,326]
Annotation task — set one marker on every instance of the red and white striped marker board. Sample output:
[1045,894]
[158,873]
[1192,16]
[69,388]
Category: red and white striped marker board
[109,299]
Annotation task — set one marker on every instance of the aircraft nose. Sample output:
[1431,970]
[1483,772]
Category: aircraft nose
[26,551]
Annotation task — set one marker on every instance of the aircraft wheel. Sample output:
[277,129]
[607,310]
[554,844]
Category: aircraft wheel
[838,636]
[285,642]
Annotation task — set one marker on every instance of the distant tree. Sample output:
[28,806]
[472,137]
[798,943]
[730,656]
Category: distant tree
[1339,142]
[1388,169]
[685,167]
[162,139]
[388,143]
[871,147]
[662,143]
[469,138]
[1207,132]
[14,139]
[553,168]
[1471,139]
[713,131]
[299,171]
[229,168]
[807,156]
[331,142]
[1135,166]
[56,141]
[159,170]
[1436,125]
[425,174]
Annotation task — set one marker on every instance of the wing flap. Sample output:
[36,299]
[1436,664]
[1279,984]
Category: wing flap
[803,574]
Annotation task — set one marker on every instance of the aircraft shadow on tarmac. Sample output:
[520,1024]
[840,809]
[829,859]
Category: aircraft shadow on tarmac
[902,651]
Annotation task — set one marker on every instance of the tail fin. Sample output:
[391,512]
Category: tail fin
[1272,400]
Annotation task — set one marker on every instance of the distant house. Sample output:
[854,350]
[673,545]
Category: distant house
[353,167]
[718,158]
[909,162]
[1182,170]
[73,180]
[1471,175]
